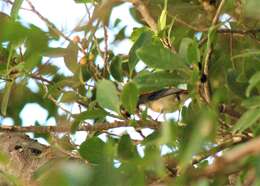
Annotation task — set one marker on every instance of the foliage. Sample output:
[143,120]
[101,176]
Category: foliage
[203,55]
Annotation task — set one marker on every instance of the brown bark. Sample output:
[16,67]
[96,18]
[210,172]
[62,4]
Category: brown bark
[24,156]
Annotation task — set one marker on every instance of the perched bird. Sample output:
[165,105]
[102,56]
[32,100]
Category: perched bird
[166,100]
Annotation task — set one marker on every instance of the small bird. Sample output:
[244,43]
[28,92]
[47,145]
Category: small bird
[166,100]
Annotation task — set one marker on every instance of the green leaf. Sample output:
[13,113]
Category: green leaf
[107,95]
[55,52]
[189,51]
[69,97]
[249,118]
[235,86]
[116,68]
[63,173]
[156,56]
[121,34]
[202,122]
[84,73]
[92,150]
[249,53]
[94,113]
[126,150]
[163,17]
[84,1]
[254,81]
[129,97]
[37,40]
[133,59]
[152,81]
[11,31]
[15,8]
[32,61]
[71,58]
[252,102]
[6,96]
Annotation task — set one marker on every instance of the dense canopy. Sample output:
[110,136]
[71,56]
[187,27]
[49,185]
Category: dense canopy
[182,107]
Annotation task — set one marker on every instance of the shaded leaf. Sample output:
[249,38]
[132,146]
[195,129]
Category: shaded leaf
[32,61]
[149,81]
[235,86]
[95,113]
[252,102]
[254,81]
[116,69]
[129,97]
[126,150]
[133,59]
[92,150]
[249,118]
[6,96]
[156,56]
[189,51]
[107,95]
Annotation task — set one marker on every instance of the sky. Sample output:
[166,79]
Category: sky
[66,16]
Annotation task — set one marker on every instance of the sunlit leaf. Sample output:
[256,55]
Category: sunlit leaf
[71,58]
[69,97]
[163,17]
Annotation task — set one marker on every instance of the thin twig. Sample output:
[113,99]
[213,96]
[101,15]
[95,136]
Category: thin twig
[205,85]
[226,144]
[140,6]
[48,23]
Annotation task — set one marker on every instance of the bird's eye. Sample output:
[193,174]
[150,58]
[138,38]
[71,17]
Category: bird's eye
[35,151]
[17,147]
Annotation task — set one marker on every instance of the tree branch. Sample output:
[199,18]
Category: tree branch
[97,127]
[249,148]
